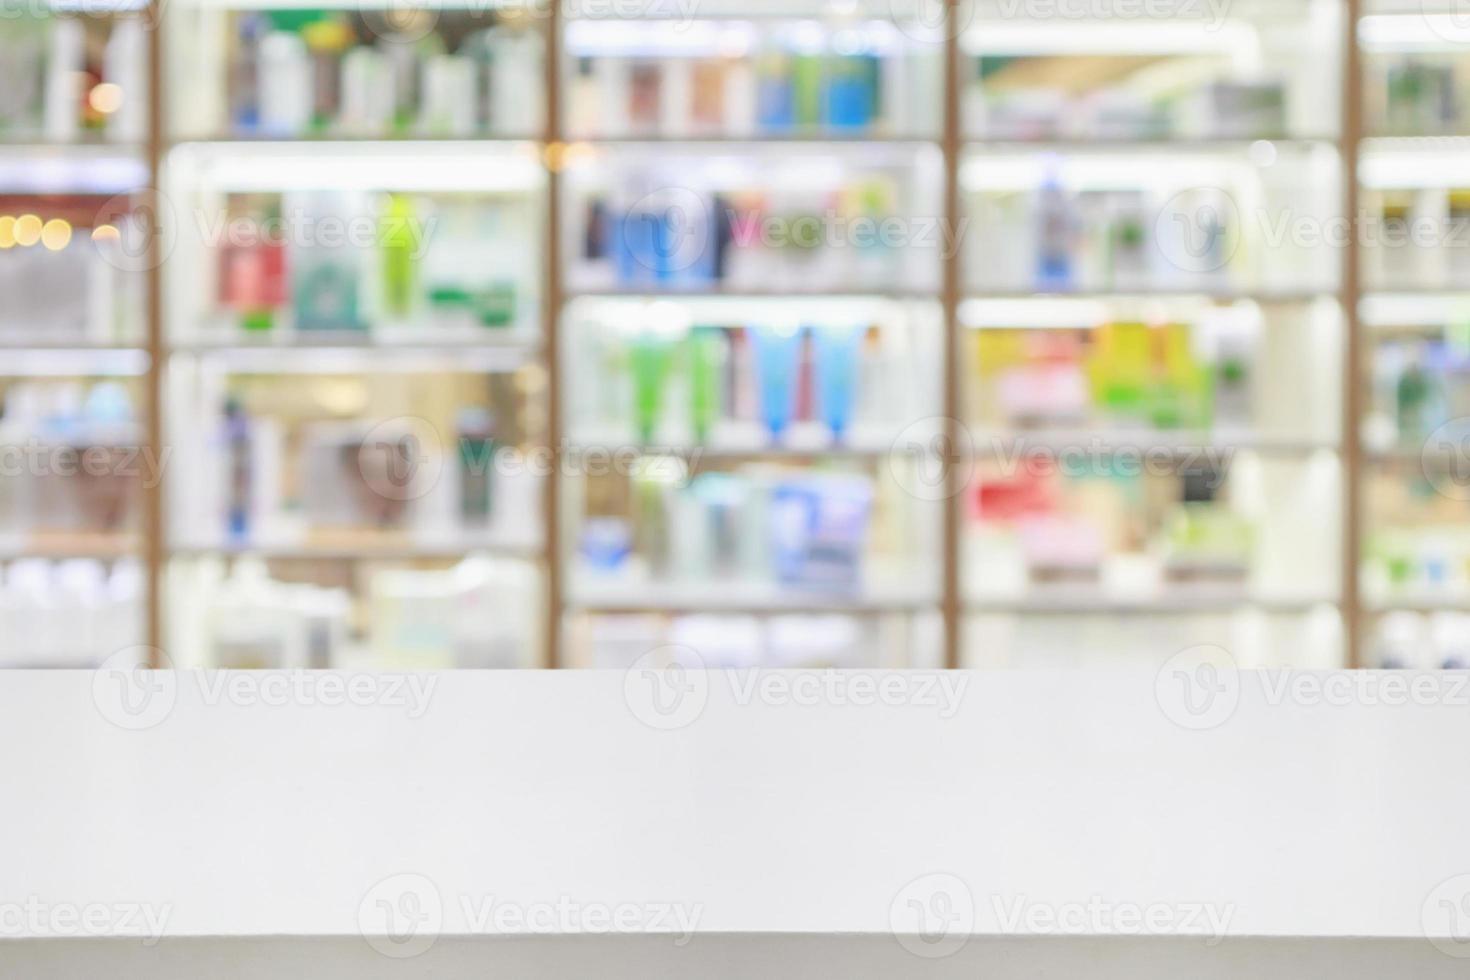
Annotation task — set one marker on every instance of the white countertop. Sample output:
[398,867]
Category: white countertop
[1037,806]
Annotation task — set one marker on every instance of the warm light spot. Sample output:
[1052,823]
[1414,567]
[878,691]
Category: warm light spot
[27,230]
[7,231]
[106,98]
[56,234]
[105,233]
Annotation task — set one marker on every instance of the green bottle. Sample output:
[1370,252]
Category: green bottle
[400,237]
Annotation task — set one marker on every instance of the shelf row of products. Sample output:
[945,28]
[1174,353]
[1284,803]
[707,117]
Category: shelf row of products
[1218,524]
[749,324]
[479,612]
[69,613]
[70,79]
[429,461]
[66,274]
[445,263]
[375,72]
[800,219]
[369,73]
[816,531]
[663,379]
[743,79]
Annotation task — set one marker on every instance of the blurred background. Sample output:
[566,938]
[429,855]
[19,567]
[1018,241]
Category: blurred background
[1002,333]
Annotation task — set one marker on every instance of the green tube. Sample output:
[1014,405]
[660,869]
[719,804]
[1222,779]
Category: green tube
[648,357]
[706,365]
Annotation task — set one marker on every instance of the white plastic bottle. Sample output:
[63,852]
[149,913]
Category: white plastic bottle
[122,65]
[285,84]
[65,62]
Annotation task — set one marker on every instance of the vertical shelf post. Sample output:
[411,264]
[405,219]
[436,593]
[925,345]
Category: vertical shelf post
[154,512]
[954,442]
[553,152]
[1352,398]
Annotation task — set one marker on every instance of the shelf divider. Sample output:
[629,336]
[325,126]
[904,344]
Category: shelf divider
[155,529]
[953,144]
[1352,399]
[553,150]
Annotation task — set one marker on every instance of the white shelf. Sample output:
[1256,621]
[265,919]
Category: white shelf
[44,361]
[746,440]
[401,165]
[1043,603]
[999,441]
[1110,36]
[324,357]
[593,593]
[402,548]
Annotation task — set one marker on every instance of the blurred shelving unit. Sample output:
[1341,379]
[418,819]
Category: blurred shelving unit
[74,359]
[1152,465]
[662,376]
[738,361]
[355,323]
[1414,563]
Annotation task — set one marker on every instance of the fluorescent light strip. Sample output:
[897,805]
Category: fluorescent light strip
[404,166]
[1411,310]
[62,363]
[1383,166]
[1025,171]
[650,39]
[61,171]
[633,313]
[1414,30]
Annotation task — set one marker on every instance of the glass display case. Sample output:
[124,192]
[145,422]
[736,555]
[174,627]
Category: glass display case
[75,458]
[753,248]
[1414,564]
[1152,334]
[354,318]
[872,332]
